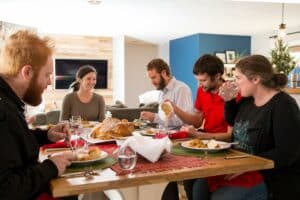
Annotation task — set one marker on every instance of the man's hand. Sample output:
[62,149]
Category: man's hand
[193,133]
[190,129]
[62,160]
[147,116]
[58,132]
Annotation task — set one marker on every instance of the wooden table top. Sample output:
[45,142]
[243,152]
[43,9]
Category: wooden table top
[71,186]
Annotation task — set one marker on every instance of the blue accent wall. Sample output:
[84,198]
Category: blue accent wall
[185,51]
[183,54]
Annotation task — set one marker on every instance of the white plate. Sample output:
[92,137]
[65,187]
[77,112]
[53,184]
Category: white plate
[42,127]
[87,137]
[144,132]
[121,138]
[91,124]
[223,145]
[103,155]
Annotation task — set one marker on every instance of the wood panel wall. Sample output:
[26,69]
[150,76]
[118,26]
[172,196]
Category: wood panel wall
[85,47]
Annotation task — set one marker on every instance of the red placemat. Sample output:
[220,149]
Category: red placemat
[62,144]
[166,163]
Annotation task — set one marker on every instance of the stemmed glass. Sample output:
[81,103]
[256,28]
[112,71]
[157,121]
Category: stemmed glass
[127,158]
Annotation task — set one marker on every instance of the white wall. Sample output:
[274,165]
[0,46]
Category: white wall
[118,83]
[136,82]
[262,44]
[297,98]
[164,51]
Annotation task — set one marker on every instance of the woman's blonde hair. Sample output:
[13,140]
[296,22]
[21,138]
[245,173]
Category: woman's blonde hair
[24,48]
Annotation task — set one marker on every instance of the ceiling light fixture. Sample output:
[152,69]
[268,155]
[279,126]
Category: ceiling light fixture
[282,26]
[94,2]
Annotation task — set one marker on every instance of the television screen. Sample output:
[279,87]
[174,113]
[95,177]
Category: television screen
[65,72]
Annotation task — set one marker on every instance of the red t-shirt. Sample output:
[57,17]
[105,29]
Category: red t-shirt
[212,107]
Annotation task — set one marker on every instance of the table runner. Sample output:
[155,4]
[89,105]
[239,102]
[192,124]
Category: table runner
[165,163]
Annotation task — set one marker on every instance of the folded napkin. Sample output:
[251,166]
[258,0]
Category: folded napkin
[149,148]
[175,135]
[62,144]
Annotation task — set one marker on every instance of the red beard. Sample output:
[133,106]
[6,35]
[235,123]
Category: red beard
[33,95]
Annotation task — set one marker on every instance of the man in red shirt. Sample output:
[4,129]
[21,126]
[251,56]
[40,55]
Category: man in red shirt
[208,112]
[209,106]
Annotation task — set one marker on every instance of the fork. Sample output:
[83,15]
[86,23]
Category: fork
[88,174]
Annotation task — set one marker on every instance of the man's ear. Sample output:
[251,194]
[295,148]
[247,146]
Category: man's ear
[27,72]
[164,73]
[218,76]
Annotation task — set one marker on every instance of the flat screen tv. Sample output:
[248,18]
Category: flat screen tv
[65,72]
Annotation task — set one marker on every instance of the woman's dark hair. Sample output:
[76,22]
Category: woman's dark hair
[212,65]
[258,65]
[81,72]
[159,65]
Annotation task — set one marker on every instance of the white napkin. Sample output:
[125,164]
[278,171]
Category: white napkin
[149,97]
[149,148]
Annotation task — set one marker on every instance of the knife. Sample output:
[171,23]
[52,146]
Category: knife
[235,157]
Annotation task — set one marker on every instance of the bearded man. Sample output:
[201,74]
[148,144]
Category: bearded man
[171,89]
[26,66]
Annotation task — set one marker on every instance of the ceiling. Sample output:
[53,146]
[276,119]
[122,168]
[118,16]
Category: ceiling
[155,21]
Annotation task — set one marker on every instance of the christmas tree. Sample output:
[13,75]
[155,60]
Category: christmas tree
[281,58]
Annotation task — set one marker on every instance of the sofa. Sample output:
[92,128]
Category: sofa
[50,117]
[129,113]
[118,110]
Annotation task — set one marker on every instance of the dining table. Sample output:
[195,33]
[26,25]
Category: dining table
[230,162]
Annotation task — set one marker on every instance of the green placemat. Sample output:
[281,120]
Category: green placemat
[102,164]
[181,151]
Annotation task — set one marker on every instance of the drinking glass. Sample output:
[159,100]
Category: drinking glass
[228,91]
[75,122]
[127,158]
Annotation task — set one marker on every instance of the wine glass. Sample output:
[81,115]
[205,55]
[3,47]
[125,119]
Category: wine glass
[127,158]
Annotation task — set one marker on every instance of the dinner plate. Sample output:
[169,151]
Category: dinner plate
[90,124]
[42,127]
[103,155]
[121,138]
[87,137]
[146,132]
[223,145]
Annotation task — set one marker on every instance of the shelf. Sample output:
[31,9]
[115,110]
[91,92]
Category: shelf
[292,90]
[229,65]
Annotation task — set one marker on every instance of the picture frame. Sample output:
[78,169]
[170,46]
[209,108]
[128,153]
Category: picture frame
[230,56]
[222,56]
